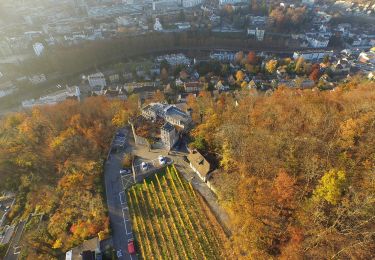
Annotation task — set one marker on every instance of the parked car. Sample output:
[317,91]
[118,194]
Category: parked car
[125,171]
[131,248]
[144,166]
[162,160]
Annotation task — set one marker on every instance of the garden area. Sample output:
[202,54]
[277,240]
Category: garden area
[171,221]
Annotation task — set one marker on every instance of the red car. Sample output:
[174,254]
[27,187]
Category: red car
[131,248]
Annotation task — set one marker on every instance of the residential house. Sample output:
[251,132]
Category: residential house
[318,42]
[88,250]
[199,165]
[341,66]
[115,93]
[367,57]
[221,87]
[194,86]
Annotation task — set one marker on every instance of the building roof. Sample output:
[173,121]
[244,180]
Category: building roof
[87,245]
[199,163]
[167,127]
[176,113]
[96,75]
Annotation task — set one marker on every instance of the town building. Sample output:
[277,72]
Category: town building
[171,121]
[190,87]
[312,55]
[97,79]
[169,113]
[191,3]
[38,48]
[157,25]
[52,99]
[367,57]
[257,32]
[168,135]
[228,2]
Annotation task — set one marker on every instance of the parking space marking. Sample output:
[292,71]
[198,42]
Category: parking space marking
[122,193]
[126,220]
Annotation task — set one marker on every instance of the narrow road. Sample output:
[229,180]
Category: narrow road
[117,206]
[14,249]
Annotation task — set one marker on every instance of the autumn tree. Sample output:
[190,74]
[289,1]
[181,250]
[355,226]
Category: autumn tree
[252,58]
[127,160]
[271,66]
[240,76]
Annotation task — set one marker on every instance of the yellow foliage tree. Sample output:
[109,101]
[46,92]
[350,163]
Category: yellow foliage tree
[331,186]
[58,244]
[271,66]
[240,75]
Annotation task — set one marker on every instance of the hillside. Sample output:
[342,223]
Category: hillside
[297,170]
[52,157]
[296,176]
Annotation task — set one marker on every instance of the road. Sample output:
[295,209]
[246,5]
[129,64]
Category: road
[117,206]
[14,249]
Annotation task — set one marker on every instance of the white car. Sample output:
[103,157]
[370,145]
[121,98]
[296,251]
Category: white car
[125,171]
[144,166]
[162,160]
[119,253]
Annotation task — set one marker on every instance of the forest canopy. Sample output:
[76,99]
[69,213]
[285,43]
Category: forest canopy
[52,157]
[297,173]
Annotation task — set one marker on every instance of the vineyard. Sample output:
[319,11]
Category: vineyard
[171,221]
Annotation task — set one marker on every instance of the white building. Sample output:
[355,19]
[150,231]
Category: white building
[52,99]
[38,48]
[367,57]
[259,34]
[312,55]
[191,3]
[157,25]
[123,21]
[97,79]
[318,42]
[308,2]
[169,135]
[227,2]
[183,26]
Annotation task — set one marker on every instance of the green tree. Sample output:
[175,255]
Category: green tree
[199,143]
